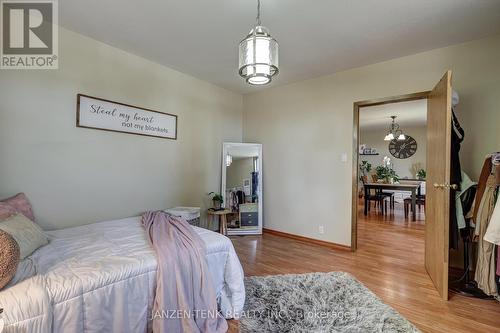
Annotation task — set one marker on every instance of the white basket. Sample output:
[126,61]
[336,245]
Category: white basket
[191,214]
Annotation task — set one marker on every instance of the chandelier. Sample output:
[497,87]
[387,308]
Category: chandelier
[258,55]
[394,131]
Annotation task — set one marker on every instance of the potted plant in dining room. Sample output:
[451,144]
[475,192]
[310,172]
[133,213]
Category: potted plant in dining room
[386,173]
[364,168]
[421,174]
[217,200]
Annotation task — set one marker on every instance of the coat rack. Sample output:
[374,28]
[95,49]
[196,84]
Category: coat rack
[465,285]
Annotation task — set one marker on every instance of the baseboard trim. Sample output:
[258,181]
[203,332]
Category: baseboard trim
[303,239]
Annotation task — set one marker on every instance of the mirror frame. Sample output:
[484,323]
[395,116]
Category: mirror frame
[225,148]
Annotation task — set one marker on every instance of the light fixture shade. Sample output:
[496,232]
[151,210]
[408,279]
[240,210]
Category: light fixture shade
[401,137]
[258,56]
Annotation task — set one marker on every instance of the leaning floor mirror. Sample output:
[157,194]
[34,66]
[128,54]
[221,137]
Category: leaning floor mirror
[242,187]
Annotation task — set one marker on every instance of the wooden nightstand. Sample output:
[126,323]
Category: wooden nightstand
[222,214]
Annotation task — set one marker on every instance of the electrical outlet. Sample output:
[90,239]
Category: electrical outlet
[321,229]
[343,157]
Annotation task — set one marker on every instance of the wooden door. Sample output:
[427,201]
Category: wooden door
[438,184]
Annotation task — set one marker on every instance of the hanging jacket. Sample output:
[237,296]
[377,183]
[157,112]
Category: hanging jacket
[465,185]
[486,262]
[457,136]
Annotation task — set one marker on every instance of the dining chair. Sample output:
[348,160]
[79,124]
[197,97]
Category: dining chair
[376,197]
[407,204]
[389,195]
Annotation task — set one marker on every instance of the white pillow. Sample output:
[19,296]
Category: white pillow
[27,234]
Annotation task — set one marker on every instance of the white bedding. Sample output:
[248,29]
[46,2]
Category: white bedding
[101,278]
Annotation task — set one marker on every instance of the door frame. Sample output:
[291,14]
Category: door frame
[355,151]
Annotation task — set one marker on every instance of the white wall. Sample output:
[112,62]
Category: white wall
[403,167]
[76,176]
[306,126]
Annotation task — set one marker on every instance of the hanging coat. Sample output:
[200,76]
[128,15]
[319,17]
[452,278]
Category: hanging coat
[486,261]
[457,136]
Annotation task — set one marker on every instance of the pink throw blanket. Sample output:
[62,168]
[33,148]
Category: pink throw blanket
[185,298]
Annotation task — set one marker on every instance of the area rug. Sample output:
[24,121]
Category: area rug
[316,302]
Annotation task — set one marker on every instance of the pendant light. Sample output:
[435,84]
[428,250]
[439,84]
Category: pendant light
[394,131]
[258,55]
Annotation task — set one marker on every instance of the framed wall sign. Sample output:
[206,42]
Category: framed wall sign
[98,113]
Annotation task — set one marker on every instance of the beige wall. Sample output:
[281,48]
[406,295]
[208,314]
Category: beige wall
[305,128]
[76,176]
[404,167]
[238,170]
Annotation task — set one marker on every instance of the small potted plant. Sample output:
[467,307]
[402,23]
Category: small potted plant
[388,175]
[365,167]
[421,174]
[217,199]
[386,172]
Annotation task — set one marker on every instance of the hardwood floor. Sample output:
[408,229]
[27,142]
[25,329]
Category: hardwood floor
[389,261]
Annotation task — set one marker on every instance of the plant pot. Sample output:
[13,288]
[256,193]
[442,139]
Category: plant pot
[217,204]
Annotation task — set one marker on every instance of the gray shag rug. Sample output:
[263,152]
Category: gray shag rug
[316,302]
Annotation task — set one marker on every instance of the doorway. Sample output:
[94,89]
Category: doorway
[438,178]
[373,155]
[392,169]
[392,164]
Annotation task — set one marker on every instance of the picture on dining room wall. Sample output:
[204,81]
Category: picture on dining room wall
[102,114]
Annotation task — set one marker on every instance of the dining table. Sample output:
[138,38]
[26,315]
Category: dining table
[412,186]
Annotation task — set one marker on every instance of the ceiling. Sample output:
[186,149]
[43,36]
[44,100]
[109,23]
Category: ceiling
[409,114]
[200,37]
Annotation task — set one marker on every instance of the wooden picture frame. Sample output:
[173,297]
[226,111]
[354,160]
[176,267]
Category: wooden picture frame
[106,116]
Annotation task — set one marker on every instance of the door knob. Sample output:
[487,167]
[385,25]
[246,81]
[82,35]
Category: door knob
[447,186]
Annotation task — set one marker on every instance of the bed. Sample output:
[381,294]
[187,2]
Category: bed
[102,277]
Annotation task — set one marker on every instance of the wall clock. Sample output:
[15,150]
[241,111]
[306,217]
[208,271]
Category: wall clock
[403,148]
